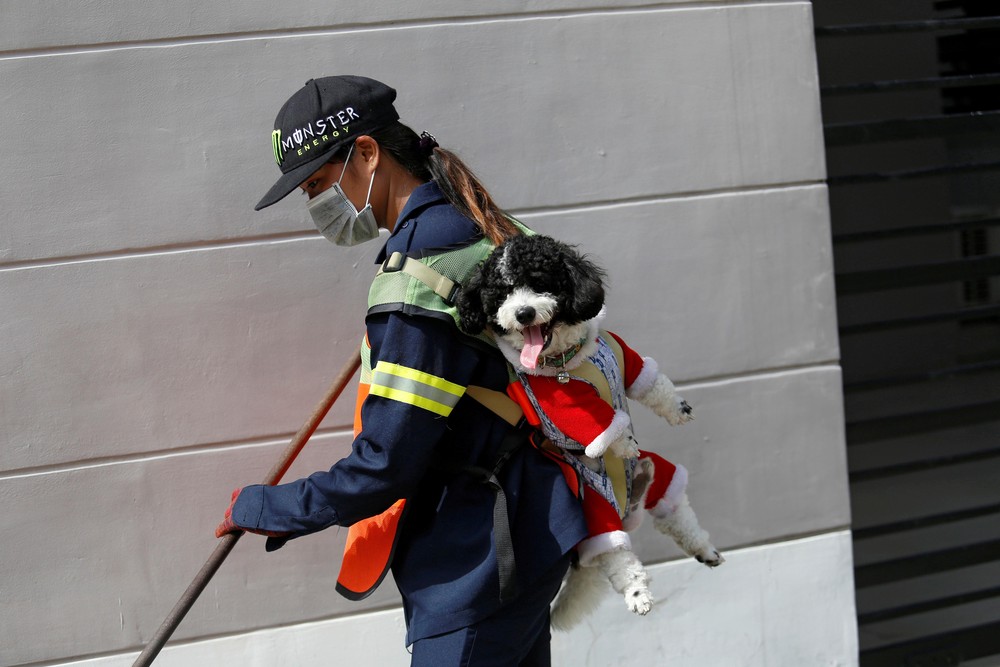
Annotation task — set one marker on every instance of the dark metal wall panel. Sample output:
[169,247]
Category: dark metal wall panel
[911,107]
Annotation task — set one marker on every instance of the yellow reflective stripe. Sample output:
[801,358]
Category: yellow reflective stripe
[411,399]
[413,387]
[420,376]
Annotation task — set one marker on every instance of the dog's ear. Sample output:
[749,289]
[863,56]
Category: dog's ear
[472,317]
[586,296]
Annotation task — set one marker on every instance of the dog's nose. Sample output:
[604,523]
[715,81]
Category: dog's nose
[525,314]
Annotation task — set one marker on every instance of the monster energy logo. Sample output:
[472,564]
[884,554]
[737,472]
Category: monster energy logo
[313,135]
[279,151]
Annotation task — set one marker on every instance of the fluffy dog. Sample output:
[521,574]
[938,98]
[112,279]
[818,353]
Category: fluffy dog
[543,302]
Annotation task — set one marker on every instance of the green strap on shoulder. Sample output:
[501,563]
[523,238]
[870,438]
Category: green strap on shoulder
[444,287]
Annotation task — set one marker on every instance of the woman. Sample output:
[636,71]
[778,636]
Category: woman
[480,526]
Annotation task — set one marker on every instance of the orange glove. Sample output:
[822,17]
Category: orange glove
[228,525]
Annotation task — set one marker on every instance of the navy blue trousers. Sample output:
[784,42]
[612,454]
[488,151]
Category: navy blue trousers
[517,635]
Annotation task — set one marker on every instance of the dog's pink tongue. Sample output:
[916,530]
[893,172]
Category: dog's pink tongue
[533,344]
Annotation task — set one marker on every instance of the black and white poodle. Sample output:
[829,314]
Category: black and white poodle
[543,302]
[535,295]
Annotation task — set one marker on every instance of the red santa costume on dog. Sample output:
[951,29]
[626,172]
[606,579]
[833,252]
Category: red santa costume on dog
[581,405]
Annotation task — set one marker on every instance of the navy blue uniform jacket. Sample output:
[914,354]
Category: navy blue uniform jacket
[445,565]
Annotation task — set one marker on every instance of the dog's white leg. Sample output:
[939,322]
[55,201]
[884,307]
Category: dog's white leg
[655,390]
[579,596]
[662,399]
[678,521]
[628,577]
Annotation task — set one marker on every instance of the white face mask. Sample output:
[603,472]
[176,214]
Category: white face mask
[336,218]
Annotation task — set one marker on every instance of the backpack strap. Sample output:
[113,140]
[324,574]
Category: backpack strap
[497,402]
[592,374]
[443,286]
[613,465]
[502,541]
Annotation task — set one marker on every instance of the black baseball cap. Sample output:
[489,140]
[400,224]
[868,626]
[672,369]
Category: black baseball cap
[321,117]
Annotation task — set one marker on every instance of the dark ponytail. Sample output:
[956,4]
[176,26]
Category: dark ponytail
[460,186]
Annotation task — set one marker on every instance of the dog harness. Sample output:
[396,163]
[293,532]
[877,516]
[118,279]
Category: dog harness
[602,374]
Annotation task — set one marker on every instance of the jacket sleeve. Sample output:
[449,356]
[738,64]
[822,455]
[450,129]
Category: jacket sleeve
[419,372]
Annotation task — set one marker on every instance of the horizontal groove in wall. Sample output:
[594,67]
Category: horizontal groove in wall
[761,374]
[309,235]
[910,174]
[962,315]
[916,523]
[910,231]
[927,563]
[935,25]
[979,638]
[923,464]
[674,196]
[155,251]
[203,448]
[903,424]
[915,275]
[919,377]
[866,132]
[187,40]
[927,83]
[274,440]
[928,605]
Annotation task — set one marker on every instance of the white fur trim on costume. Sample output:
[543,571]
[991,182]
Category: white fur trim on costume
[645,380]
[674,496]
[592,547]
[616,429]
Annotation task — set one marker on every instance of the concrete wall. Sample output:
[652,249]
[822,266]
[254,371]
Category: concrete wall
[161,341]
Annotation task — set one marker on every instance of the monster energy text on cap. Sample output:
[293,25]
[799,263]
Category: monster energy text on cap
[322,116]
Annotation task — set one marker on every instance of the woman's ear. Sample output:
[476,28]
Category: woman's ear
[368,152]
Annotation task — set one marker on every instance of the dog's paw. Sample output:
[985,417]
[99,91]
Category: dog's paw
[710,557]
[625,447]
[679,413]
[639,600]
